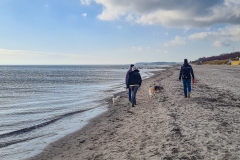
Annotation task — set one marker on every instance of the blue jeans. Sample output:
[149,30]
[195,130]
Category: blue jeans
[186,86]
[134,92]
[129,94]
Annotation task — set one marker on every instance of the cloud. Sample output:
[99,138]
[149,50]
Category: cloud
[222,37]
[84,14]
[177,41]
[172,13]
[129,18]
[119,27]
[139,49]
[166,52]
[86,2]
[201,35]
[221,43]
[162,51]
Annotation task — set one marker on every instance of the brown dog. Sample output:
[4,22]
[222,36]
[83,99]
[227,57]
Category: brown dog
[154,89]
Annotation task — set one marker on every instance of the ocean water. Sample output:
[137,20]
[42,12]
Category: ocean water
[41,104]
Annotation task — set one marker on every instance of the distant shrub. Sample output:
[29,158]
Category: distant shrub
[216,62]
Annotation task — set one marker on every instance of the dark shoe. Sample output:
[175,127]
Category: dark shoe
[135,103]
[132,104]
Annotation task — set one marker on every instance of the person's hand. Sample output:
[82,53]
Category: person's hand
[179,80]
[192,81]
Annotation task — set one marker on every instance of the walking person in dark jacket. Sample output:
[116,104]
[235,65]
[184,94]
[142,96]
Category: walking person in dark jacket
[186,73]
[126,80]
[134,82]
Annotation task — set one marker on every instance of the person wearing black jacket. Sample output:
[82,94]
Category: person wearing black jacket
[134,82]
[186,73]
[126,81]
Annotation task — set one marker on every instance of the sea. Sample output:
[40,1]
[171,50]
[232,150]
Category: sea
[41,104]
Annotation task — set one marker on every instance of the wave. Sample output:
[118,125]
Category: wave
[5,144]
[31,128]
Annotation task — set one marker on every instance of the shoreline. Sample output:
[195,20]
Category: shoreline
[101,117]
[167,126]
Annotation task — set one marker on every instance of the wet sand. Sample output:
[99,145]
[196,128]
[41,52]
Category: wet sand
[167,126]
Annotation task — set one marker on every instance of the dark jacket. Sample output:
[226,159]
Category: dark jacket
[186,72]
[134,78]
[127,75]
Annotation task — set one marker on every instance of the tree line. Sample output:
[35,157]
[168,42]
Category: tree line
[223,56]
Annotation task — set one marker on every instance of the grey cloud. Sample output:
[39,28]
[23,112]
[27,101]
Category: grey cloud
[173,13]
[147,6]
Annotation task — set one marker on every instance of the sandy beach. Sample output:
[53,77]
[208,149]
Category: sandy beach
[167,126]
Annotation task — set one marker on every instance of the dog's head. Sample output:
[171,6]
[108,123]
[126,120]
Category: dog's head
[158,88]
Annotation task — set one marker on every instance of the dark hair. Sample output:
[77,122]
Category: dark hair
[131,65]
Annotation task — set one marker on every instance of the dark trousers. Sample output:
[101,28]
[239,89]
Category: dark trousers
[129,94]
[186,86]
[134,92]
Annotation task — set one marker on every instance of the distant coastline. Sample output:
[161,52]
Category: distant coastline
[156,63]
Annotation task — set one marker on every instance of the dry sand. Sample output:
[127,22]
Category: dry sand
[166,127]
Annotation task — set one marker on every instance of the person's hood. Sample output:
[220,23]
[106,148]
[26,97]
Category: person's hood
[185,64]
[136,70]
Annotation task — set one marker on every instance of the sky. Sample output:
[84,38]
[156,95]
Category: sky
[75,32]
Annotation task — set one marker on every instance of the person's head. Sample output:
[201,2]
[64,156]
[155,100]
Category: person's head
[134,68]
[185,61]
[131,65]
